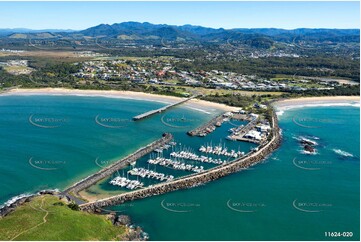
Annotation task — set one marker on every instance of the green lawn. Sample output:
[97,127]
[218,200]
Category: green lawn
[56,222]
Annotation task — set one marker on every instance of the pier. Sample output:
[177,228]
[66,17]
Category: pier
[105,172]
[207,127]
[215,122]
[159,110]
[250,159]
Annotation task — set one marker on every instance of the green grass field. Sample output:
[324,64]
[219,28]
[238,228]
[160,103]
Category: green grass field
[44,219]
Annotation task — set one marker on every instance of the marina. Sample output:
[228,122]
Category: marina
[107,171]
[169,161]
[177,165]
[194,157]
[219,150]
[172,160]
[145,173]
[243,163]
[127,183]
[179,158]
[217,121]
[165,147]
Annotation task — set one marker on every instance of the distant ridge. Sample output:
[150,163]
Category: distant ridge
[263,36]
[9,31]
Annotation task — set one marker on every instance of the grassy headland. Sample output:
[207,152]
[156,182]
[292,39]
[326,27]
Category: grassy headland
[47,218]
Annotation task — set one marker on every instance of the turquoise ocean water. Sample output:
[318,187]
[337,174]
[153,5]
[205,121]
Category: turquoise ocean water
[52,141]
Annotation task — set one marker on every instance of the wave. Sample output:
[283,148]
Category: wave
[280,113]
[281,110]
[305,152]
[12,200]
[197,109]
[307,138]
[312,137]
[342,153]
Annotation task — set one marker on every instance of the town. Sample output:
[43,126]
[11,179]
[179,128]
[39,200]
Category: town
[164,71]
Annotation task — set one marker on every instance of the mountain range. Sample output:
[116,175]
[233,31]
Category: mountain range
[141,31]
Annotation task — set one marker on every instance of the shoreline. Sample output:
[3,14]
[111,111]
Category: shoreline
[327,101]
[194,104]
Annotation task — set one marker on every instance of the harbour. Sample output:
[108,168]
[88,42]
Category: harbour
[224,168]
[217,121]
[249,160]
[275,176]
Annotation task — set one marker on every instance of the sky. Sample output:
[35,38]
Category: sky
[82,15]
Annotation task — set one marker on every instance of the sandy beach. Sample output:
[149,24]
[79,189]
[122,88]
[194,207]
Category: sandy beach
[196,104]
[317,101]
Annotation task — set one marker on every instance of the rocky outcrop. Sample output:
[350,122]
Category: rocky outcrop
[12,206]
[193,180]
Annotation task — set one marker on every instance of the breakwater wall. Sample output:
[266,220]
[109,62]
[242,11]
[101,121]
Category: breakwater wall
[252,158]
[94,178]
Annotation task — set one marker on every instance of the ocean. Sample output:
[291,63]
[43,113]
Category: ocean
[49,142]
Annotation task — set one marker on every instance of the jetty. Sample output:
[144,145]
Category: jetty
[250,159]
[207,127]
[217,121]
[159,110]
[109,170]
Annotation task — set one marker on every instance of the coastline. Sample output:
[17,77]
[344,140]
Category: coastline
[195,104]
[283,105]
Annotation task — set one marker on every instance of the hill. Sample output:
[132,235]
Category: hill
[46,218]
[146,31]
[199,33]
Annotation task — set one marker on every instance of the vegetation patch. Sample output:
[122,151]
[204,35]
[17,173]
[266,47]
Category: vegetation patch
[44,218]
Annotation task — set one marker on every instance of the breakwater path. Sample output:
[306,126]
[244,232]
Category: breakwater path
[193,180]
[107,171]
[159,110]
